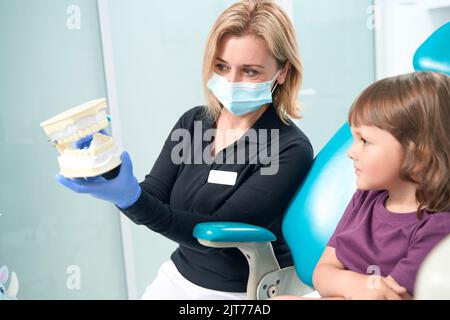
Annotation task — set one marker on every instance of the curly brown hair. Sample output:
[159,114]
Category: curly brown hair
[415,109]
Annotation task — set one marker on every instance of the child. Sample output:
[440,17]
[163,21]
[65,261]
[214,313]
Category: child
[401,210]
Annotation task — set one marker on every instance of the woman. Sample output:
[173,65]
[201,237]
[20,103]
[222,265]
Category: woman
[251,75]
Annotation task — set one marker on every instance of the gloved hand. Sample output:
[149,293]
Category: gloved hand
[123,191]
[85,142]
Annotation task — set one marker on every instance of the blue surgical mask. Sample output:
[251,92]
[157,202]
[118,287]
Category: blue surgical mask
[242,97]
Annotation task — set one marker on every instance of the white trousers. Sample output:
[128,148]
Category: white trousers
[169,284]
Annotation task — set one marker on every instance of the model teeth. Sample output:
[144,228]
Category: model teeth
[72,133]
[77,123]
[81,134]
[100,143]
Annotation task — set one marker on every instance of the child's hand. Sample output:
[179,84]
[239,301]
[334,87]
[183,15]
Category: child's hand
[382,291]
[401,291]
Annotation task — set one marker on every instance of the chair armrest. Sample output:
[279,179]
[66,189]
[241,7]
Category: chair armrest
[232,232]
[252,241]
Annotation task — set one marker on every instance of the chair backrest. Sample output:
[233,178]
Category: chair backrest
[319,203]
[434,53]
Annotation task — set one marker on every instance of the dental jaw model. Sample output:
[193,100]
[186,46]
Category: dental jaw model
[103,154]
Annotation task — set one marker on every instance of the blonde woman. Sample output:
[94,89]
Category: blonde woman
[251,76]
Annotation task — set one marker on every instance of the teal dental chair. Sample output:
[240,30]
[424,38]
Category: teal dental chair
[315,209]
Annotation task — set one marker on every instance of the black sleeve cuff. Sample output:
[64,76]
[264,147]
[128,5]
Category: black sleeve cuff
[140,209]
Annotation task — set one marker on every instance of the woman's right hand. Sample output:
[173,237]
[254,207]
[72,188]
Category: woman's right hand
[124,190]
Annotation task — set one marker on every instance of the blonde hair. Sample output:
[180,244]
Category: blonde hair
[266,20]
[415,109]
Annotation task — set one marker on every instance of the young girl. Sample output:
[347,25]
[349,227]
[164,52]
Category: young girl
[401,210]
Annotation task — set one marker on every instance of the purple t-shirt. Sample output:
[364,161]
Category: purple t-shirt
[369,238]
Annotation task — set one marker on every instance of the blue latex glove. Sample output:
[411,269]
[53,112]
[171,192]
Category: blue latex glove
[123,191]
[85,142]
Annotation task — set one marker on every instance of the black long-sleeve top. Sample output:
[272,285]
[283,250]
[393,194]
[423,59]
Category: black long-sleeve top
[177,196]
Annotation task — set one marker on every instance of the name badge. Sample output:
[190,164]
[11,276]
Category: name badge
[222,177]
